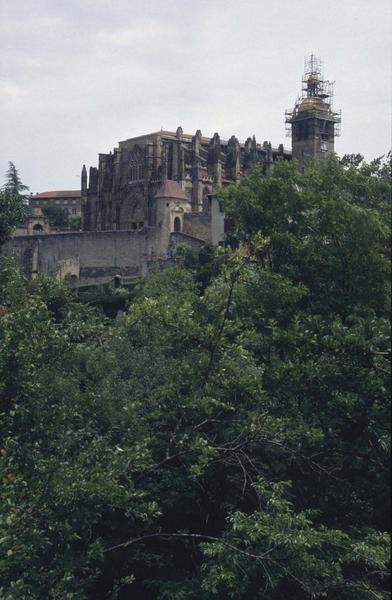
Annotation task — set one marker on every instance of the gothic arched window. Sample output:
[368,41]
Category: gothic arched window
[136,169]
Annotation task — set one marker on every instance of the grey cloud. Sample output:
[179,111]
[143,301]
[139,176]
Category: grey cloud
[77,78]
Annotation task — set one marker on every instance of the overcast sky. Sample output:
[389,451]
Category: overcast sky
[77,76]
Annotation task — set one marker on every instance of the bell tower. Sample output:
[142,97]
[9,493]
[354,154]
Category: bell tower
[312,123]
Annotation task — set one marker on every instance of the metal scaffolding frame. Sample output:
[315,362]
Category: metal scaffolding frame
[314,86]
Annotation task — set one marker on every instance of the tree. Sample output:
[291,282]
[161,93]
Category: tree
[65,500]
[74,222]
[228,436]
[57,215]
[12,212]
[13,181]
[13,209]
[327,229]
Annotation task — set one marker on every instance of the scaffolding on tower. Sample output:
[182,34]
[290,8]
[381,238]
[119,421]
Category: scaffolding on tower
[316,96]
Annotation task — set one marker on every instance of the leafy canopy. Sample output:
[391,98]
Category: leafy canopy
[13,181]
[13,209]
[227,436]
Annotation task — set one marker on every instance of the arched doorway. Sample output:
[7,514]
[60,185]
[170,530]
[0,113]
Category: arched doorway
[177,224]
[37,229]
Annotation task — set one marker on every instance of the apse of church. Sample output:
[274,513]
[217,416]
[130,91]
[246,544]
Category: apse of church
[121,192]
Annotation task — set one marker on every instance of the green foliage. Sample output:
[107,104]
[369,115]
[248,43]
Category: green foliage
[106,298]
[327,229]
[185,251]
[276,551]
[75,222]
[228,436]
[13,182]
[205,265]
[12,212]
[57,215]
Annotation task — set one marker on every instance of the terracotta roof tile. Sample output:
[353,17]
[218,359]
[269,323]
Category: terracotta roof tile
[58,194]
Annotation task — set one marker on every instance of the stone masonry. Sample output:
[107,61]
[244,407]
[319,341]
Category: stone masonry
[119,194]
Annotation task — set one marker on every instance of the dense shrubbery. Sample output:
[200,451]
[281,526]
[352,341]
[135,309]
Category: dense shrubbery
[228,437]
[59,216]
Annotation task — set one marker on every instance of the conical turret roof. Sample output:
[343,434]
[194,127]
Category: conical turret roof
[171,189]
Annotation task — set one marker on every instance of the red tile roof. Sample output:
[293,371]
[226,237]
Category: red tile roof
[58,194]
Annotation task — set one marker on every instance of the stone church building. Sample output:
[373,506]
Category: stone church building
[158,189]
[123,192]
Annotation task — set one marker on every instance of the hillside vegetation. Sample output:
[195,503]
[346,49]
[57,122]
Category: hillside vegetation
[228,436]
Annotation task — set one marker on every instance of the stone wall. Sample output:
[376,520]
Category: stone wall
[182,238]
[217,223]
[120,192]
[101,255]
[198,225]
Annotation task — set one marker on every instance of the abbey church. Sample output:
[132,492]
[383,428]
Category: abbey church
[159,189]
[121,192]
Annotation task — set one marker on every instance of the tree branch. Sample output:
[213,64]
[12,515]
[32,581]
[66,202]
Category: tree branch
[198,536]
